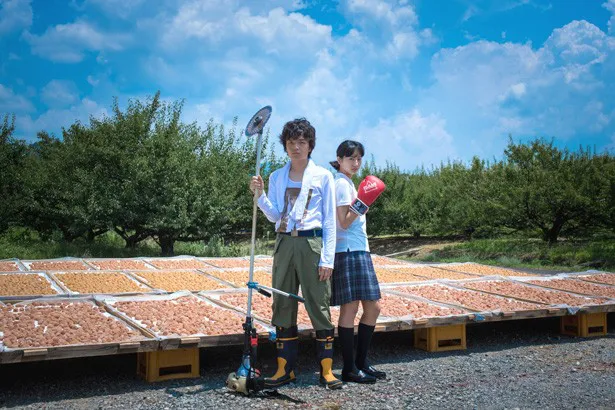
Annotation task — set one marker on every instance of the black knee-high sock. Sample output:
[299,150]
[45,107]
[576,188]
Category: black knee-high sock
[364,338]
[346,335]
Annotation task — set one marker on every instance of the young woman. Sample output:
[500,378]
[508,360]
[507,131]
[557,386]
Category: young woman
[354,278]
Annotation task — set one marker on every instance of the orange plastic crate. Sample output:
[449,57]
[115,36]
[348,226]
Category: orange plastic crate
[584,324]
[163,365]
[441,338]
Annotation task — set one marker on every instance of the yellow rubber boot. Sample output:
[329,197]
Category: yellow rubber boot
[287,344]
[324,344]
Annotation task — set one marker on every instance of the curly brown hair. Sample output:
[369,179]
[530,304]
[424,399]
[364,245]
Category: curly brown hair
[298,128]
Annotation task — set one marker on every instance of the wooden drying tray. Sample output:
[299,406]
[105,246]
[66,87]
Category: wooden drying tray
[147,343]
[177,341]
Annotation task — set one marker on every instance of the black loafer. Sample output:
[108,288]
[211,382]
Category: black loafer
[369,370]
[358,377]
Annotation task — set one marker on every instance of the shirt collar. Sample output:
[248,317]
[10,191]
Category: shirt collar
[342,175]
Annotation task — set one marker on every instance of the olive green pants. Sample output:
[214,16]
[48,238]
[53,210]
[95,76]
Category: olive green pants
[295,262]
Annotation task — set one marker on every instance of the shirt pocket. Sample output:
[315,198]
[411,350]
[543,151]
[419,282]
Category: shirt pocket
[315,244]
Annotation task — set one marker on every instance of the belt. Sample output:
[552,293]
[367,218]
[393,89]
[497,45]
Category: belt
[308,233]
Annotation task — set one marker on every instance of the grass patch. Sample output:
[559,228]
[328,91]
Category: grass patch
[531,253]
[509,252]
[26,244]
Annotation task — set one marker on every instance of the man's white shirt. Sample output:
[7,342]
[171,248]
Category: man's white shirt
[318,192]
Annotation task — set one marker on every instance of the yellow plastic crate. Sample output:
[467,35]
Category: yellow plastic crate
[441,338]
[584,324]
[163,365]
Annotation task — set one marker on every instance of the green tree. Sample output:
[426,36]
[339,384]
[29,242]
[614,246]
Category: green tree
[174,181]
[391,211]
[48,189]
[547,188]
[460,193]
[12,156]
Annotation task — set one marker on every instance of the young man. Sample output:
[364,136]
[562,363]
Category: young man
[301,202]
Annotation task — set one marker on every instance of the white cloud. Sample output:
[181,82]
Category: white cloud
[486,90]
[68,43]
[220,23]
[610,6]
[93,81]
[383,11]
[404,44]
[482,7]
[202,20]
[326,97]
[578,43]
[515,91]
[280,32]
[409,139]
[15,15]
[393,27]
[59,93]
[54,119]
[470,12]
[13,103]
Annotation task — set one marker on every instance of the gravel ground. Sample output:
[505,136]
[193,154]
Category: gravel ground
[518,364]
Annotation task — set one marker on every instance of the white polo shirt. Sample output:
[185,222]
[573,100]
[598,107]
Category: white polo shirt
[355,237]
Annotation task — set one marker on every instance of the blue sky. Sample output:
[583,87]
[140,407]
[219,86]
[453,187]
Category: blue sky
[418,82]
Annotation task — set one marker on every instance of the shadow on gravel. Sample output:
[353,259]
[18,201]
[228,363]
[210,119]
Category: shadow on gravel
[51,381]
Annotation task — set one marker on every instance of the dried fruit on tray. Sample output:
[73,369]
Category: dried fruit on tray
[8,266]
[606,278]
[395,275]
[227,263]
[478,301]
[173,281]
[183,316]
[179,263]
[42,324]
[100,282]
[483,270]
[434,273]
[240,277]
[577,286]
[57,265]
[396,306]
[25,284]
[118,264]
[531,293]
[383,261]
[261,307]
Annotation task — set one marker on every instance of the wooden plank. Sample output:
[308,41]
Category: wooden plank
[35,352]
[189,340]
[129,345]
[68,352]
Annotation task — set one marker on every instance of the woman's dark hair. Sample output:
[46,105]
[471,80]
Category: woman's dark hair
[298,128]
[347,149]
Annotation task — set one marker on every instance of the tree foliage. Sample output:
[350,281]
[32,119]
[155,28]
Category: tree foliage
[144,173]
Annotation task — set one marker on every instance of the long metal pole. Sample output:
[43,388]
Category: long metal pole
[280,292]
[253,244]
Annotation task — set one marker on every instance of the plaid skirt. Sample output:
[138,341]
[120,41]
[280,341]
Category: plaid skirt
[354,278]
